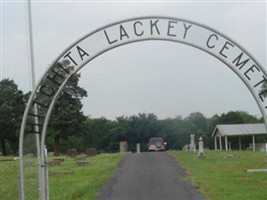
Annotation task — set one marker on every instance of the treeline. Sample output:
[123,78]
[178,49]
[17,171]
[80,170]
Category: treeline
[70,128]
[104,134]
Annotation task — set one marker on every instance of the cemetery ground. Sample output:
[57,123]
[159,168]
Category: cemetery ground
[220,175]
[66,181]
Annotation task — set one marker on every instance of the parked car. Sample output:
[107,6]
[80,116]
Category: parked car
[156,144]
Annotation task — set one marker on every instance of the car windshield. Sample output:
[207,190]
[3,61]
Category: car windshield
[155,140]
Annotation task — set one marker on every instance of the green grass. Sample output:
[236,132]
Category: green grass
[68,181]
[219,177]
[8,178]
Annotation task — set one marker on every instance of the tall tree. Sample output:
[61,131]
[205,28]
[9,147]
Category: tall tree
[11,111]
[97,130]
[172,130]
[236,117]
[198,119]
[67,118]
[140,128]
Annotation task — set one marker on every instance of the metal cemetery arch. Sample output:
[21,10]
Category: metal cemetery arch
[42,99]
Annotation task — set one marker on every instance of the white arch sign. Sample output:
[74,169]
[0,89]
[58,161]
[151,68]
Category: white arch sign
[121,33]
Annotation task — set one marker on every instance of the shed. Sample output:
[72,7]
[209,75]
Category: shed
[237,130]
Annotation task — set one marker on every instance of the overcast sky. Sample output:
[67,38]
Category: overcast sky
[160,77]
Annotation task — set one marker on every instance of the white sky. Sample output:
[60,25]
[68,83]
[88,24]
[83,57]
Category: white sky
[164,78]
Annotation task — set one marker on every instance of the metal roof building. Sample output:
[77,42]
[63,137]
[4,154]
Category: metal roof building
[238,130]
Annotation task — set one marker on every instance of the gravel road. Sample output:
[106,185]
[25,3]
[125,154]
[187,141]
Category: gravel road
[149,176]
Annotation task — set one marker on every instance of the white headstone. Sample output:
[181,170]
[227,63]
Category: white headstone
[138,148]
[185,148]
[192,145]
[123,146]
[200,148]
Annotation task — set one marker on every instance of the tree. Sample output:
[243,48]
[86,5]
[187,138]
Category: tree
[172,132]
[236,117]
[198,119]
[67,118]
[11,110]
[96,131]
[140,129]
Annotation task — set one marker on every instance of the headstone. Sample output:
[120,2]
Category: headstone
[80,157]
[192,145]
[28,164]
[50,154]
[59,159]
[82,162]
[54,163]
[72,153]
[138,148]
[201,148]
[90,152]
[123,146]
[230,157]
[185,148]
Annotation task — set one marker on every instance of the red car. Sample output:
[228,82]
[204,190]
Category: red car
[156,144]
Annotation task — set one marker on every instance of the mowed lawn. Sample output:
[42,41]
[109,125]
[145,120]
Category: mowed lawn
[70,181]
[67,181]
[222,175]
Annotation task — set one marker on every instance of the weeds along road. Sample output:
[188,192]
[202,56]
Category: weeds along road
[149,176]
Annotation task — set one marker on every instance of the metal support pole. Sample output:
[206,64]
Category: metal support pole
[44,169]
[36,120]
[220,140]
[253,143]
[226,143]
[215,143]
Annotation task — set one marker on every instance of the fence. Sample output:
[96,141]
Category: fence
[9,178]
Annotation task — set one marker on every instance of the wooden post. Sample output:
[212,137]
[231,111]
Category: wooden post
[239,141]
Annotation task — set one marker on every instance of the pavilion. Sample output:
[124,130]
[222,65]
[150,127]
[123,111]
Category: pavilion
[236,130]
